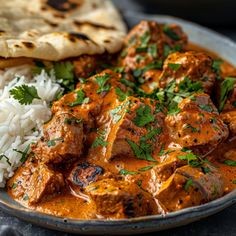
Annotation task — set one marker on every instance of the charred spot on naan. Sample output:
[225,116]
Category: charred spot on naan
[64,5]
[28,45]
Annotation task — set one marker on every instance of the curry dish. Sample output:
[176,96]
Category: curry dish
[148,131]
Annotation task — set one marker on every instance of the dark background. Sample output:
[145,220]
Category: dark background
[219,15]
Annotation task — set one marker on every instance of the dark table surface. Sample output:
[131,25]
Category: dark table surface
[221,224]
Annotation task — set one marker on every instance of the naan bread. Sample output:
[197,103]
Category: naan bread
[58,29]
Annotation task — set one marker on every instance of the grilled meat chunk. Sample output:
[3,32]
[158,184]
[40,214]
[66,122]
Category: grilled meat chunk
[120,199]
[135,122]
[83,174]
[197,126]
[196,66]
[62,141]
[190,186]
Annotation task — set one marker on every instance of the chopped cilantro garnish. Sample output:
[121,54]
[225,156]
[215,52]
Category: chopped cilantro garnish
[226,88]
[174,66]
[143,116]
[99,141]
[169,32]
[80,98]
[69,121]
[206,169]
[234,181]
[145,39]
[187,185]
[23,153]
[24,94]
[207,108]
[230,162]
[146,168]
[119,111]
[101,80]
[25,197]
[193,129]
[126,172]
[216,65]
[191,158]
[152,50]
[52,142]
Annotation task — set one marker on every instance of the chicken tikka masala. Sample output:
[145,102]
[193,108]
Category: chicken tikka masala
[150,130]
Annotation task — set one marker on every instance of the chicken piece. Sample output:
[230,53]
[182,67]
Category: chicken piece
[136,124]
[190,186]
[92,98]
[117,199]
[196,66]
[83,174]
[146,45]
[62,141]
[44,183]
[197,126]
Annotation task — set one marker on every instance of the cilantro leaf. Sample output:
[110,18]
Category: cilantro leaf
[52,142]
[121,94]
[152,50]
[216,65]
[169,32]
[234,181]
[174,66]
[80,98]
[99,141]
[207,108]
[24,94]
[187,185]
[126,172]
[24,153]
[226,88]
[101,80]
[143,116]
[230,162]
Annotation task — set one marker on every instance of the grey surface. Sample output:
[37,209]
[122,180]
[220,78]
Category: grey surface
[220,224]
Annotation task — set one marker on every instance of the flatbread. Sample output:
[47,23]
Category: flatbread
[59,29]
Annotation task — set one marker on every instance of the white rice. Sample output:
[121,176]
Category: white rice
[21,125]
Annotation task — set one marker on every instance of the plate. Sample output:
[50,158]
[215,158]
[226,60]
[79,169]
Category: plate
[204,38]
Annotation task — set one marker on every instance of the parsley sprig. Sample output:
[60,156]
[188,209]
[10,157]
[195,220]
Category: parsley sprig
[102,80]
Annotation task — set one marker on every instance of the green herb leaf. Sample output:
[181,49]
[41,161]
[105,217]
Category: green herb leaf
[145,38]
[99,141]
[14,185]
[25,197]
[126,172]
[80,98]
[24,94]
[52,142]
[69,121]
[193,129]
[101,80]
[173,66]
[187,185]
[24,153]
[146,168]
[230,162]
[206,169]
[234,181]
[143,116]
[152,50]
[226,88]
[207,108]
[169,32]
[191,158]
[121,94]
[216,65]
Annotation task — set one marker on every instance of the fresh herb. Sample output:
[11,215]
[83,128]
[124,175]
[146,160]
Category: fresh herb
[216,65]
[101,80]
[100,140]
[152,50]
[168,49]
[230,162]
[193,129]
[169,32]
[207,108]
[14,185]
[69,121]
[80,98]
[24,153]
[126,172]
[121,94]
[187,185]
[141,49]
[25,197]
[124,53]
[145,38]
[174,66]
[191,158]
[52,142]
[64,71]
[234,181]
[39,66]
[6,158]
[205,169]
[156,65]
[24,94]
[146,168]
[144,150]
[226,88]
[119,111]
[143,116]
